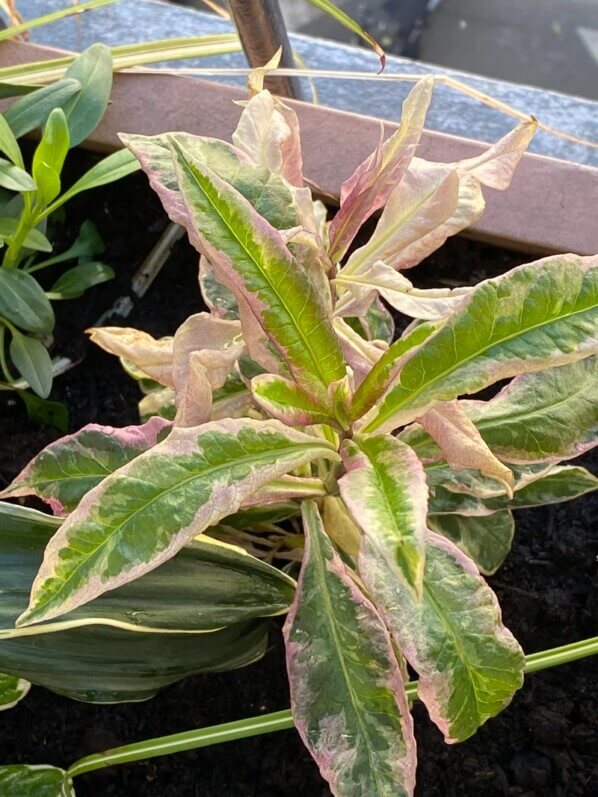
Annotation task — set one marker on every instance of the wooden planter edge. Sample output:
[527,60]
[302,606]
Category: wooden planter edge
[546,209]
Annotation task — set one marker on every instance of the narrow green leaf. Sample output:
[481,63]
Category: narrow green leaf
[74,282]
[347,692]
[35,780]
[12,690]
[93,70]
[485,539]
[385,490]
[114,167]
[35,239]
[32,110]
[8,90]
[348,22]
[63,472]
[9,145]
[534,317]
[33,362]
[87,244]
[54,16]
[24,303]
[469,664]
[49,156]
[13,178]
[274,292]
[191,480]
[42,412]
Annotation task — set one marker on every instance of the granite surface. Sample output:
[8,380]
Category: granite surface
[137,20]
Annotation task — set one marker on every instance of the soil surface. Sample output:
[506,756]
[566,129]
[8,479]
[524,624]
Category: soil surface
[545,743]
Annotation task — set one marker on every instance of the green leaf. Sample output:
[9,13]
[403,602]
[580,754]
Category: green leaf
[561,483]
[63,472]
[41,412]
[191,480]
[12,690]
[93,70]
[347,692]
[469,664]
[277,299]
[348,22]
[114,167]
[385,490]
[33,109]
[24,303]
[74,282]
[14,178]
[385,369]
[33,362]
[534,317]
[87,244]
[486,539]
[8,89]
[9,145]
[49,156]
[542,417]
[35,780]
[35,239]
[282,399]
[113,648]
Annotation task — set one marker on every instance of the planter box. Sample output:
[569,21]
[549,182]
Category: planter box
[546,209]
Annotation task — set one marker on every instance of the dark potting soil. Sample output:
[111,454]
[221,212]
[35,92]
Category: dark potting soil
[545,743]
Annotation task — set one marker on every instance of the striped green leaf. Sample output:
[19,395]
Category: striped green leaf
[63,472]
[534,317]
[385,490]
[276,297]
[205,604]
[347,692]
[142,514]
[469,664]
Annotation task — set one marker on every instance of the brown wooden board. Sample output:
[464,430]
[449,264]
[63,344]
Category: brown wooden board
[549,207]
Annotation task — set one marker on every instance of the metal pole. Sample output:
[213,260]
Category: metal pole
[262,31]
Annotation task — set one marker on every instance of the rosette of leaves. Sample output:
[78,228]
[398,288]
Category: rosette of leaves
[292,399]
[66,111]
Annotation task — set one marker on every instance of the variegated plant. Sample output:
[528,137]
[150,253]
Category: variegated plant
[289,400]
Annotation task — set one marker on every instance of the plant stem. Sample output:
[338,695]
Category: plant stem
[279,720]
